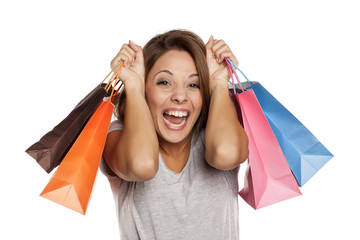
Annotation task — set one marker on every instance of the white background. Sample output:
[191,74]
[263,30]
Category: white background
[306,53]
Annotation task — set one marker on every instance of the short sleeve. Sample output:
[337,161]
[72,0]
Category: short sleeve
[115,125]
[105,169]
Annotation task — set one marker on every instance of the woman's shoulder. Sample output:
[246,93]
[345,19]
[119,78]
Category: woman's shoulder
[198,142]
[200,138]
[116,125]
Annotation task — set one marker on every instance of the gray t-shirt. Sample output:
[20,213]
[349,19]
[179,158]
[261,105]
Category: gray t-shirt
[200,202]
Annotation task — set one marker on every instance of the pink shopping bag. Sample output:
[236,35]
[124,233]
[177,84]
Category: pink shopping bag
[268,179]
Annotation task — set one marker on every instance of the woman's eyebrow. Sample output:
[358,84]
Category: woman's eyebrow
[164,71]
[170,73]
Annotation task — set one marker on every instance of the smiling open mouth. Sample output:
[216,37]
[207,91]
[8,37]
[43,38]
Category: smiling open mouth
[175,119]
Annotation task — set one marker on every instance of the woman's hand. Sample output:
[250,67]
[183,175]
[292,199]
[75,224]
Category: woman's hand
[216,51]
[132,74]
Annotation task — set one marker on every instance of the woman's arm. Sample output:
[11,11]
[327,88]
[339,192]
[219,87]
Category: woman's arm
[133,153]
[225,140]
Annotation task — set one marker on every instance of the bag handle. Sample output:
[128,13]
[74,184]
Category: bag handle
[118,69]
[114,81]
[233,68]
[232,72]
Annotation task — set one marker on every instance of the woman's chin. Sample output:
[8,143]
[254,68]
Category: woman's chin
[175,134]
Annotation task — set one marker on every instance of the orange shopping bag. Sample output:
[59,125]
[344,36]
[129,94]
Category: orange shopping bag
[73,181]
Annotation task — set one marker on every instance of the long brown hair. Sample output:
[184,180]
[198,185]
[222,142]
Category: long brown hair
[177,40]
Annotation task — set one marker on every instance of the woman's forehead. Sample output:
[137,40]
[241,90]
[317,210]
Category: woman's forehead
[174,61]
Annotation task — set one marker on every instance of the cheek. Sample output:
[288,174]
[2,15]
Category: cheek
[197,102]
[154,100]
[151,103]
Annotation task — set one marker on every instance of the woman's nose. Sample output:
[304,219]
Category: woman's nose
[179,95]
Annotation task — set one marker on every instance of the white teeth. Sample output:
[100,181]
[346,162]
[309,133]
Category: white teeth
[177,113]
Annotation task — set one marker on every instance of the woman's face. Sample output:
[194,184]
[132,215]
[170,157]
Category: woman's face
[173,95]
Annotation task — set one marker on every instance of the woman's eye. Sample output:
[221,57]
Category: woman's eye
[195,85]
[163,82]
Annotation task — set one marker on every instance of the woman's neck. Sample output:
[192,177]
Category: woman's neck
[175,155]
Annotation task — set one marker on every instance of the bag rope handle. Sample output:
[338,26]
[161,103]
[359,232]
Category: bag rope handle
[237,68]
[114,81]
[111,72]
[232,72]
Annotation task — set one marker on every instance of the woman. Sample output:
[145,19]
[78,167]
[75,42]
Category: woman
[172,157]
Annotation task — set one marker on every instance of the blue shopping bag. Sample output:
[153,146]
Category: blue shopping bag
[305,154]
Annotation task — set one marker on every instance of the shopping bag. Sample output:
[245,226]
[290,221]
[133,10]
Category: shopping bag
[72,183]
[52,147]
[268,178]
[305,154]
